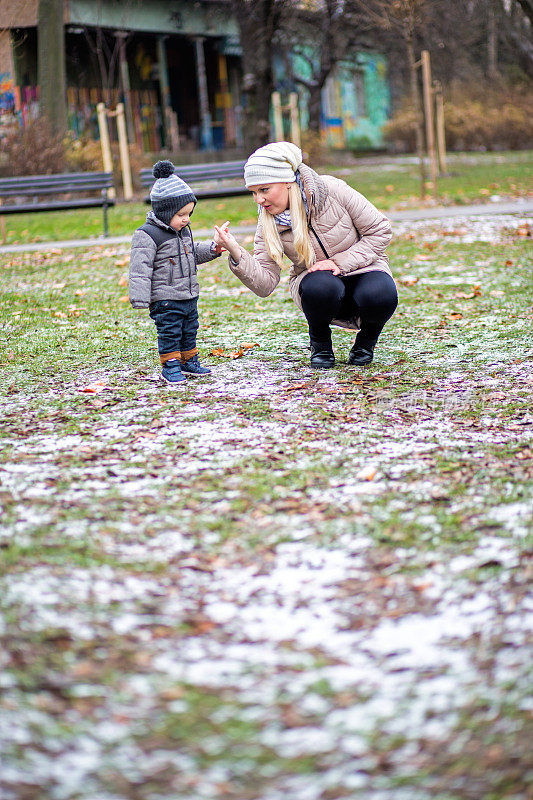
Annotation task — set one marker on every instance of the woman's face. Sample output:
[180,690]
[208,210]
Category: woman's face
[273,197]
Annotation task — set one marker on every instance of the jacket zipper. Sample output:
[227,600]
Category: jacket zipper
[318,240]
[181,242]
[194,259]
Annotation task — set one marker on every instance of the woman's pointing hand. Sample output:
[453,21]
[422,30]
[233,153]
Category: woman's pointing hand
[226,239]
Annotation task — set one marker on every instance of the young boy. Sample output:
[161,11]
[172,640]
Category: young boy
[163,273]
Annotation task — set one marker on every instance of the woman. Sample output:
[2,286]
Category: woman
[336,241]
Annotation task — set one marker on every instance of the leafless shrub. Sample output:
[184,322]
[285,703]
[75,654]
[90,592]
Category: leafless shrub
[33,150]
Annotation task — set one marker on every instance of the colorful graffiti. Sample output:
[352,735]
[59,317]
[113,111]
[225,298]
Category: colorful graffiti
[355,99]
[7,93]
[356,103]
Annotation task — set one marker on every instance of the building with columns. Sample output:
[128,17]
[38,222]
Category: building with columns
[176,66]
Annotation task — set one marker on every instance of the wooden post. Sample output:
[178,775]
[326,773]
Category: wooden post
[3,224]
[124,152]
[419,122]
[104,142]
[278,119]
[295,123]
[441,131]
[430,128]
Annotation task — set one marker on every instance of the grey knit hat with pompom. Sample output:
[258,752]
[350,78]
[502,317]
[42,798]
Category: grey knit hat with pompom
[169,193]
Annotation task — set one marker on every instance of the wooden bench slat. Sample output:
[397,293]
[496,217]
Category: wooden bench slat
[201,176]
[54,205]
[201,173]
[14,189]
[39,190]
[61,176]
[44,176]
[221,191]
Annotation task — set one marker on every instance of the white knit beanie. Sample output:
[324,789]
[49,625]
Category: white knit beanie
[274,163]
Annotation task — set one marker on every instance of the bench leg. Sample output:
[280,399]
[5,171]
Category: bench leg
[106,227]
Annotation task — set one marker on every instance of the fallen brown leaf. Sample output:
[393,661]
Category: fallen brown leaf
[408,280]
[524,454]
[366,474]
[294,386]
[95,388]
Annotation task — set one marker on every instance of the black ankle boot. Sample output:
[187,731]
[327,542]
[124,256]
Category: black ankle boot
[322,356]
[361,354]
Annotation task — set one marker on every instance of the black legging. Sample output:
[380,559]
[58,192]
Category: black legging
[371,296]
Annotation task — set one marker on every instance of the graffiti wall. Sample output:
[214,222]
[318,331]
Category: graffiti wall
[9,103]
[356,103]
[7,93]
[355,99]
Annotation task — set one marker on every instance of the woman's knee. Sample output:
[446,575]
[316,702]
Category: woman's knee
[377,298]
[321,288]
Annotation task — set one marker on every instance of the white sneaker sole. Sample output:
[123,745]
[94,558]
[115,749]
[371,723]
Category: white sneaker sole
[171,383]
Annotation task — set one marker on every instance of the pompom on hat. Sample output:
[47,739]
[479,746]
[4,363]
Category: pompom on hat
[169,193]
[273,163]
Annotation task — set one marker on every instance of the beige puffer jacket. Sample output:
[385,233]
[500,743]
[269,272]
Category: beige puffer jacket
[353,232]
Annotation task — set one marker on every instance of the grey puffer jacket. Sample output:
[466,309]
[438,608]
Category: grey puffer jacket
[163,263]
[343,226]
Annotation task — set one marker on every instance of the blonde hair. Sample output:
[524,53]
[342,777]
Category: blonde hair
[302,243]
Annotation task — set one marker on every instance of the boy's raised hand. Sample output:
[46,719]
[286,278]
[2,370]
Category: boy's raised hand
[227,241]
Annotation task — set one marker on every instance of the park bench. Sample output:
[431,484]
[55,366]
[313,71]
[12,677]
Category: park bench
[33,193]
[217,175]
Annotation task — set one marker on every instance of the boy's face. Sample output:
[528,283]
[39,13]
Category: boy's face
[182,218]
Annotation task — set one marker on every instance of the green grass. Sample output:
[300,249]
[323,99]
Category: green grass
[126,515]
[470,179]
[65,321]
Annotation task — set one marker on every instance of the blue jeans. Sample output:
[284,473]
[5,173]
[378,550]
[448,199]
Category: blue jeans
[177,325]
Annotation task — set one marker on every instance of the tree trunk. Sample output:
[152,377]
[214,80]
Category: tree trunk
[257,24]
[419,122]
[51,64]
[258,85]
[492,42]
[315,108]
